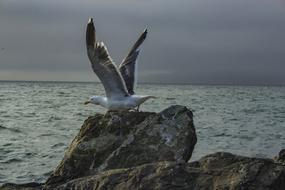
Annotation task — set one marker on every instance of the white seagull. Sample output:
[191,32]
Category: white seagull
[118,82]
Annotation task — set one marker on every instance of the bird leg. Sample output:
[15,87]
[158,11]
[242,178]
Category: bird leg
[138,108]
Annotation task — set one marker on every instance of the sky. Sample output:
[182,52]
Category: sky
[240,42]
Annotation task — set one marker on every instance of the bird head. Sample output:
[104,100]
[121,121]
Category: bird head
[93,100]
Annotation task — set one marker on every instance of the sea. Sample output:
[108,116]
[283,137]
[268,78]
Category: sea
[38,120]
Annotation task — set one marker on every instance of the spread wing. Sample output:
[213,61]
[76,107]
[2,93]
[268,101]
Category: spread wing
[128,66]
[103,65]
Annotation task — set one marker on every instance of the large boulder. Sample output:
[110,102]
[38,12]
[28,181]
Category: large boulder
[145,151]
[119,140]
[213,172]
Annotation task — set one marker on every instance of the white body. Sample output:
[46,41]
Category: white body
[122,103]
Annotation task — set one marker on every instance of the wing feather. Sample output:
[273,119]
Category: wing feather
[128,65]
[103,65]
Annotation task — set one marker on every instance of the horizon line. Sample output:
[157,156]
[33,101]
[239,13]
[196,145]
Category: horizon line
[154,83]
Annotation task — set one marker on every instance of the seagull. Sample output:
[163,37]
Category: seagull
[118,82]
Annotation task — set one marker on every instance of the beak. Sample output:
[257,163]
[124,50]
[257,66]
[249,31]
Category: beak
[87,102]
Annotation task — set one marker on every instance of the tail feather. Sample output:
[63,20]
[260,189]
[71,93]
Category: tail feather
[145,98]
[149,97]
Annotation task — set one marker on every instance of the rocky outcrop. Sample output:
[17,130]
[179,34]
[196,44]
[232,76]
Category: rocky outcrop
[219,171]
[213,172]
[127,139]
[27,186]
[145,151]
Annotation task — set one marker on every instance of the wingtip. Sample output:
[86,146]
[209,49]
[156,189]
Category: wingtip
[90,21]
[90,33]
[145,31]
[144,34]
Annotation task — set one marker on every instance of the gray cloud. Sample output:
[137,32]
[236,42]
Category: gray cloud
[200,42]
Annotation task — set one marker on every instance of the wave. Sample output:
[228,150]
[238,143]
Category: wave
[10,129]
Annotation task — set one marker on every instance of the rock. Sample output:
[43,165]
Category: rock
[282,154]
[281,157]
[228,171]
[26,186]
[145,151]
[127,139]
[216,171]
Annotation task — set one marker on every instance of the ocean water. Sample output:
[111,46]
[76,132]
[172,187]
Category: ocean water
[38,120]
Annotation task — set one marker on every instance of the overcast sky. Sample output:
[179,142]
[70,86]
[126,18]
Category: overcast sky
[189,41]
